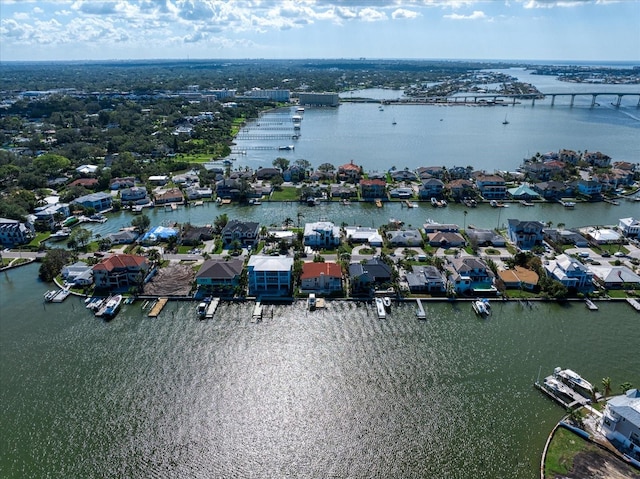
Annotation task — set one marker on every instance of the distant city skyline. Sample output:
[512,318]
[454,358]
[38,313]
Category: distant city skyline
[554,30]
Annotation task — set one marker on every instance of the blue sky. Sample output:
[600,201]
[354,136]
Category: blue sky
[581,30]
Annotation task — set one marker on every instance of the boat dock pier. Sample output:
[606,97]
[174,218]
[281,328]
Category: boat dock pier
[158,307]
[591,305]
[378,203]
[568,399]
[635,304]
[103,307]
[257,313]
[420,312]
[211,309]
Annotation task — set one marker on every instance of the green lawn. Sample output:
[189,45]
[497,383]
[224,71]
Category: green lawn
[564,446]
[286,193]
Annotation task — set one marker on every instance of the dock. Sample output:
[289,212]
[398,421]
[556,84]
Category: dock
[635,304]
[591,305]
[211,308]
[420,312]
[158,307]
[102,307]
[61,295]
[378,203]
[257,313]
[569,399]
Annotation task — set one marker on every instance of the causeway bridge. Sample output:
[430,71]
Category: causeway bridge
[501,98]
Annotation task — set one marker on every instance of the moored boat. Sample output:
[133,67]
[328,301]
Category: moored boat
[112,306]
[481,307]
[574,381]
[202,309]
[380,308]
[386,302]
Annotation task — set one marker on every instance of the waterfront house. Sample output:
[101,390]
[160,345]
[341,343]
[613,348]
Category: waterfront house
[525,234]
[445,239]
[377,175]
[589,187]
[407,238]
[270,276]
[459,172]
[553,190]
[562,237]
[136,195]
[321,234]
[597,159]
[486,237]
[403,192]
[570,272]
[343,190]
[228,188]
[460,188]
[621,422]
[523,192]
[601,235]
[363,234]
[431,188]
[349,172]
[433,227]
[165,197]
[469,275]
[366,277]
[47,216]
[267,173]
[614,277]
[14,233]
[123,237]
[373,190]
[246,233]
[568,156]
[78,273]
[120,271]
[198,192]
[294,174]
[195,235]
[491,187]
[630,227]
[519,278]
[319,175]
[98,201]
[426,279]
[321,278]
[219,277]
[157,234]
[158,180]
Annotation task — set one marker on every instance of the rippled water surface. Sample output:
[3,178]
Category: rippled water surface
[334,393]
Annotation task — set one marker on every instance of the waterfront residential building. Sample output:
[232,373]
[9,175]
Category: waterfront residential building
[568,156]
[444,239]
[244,232]
[403,175]
[120,183]
[630,227]
[98,201]
[523,192]
[321,278]
[219,277]
[431,188]
[570,272]
[460,188]
[565,237]
[343,190]
[373,189]
[172,195]
[486,237]
[195,235]
[614,277]
[78,273]
[274,94]
[589,187]
[123,237]
[49,215]
[228,188]
[120,271]
[295,174]
[433,227]
[368,276]
[491,187]
[407,238]
[349,172]
[267,173]
[322,234]
[426,279]
[363,234]
[553,190]
[198,192]
[601,235]
[525,234]
[597,159]
[136,195]
[14,233]
[426,172]
[157,234]
[470,275]
[404,193]
[519,278]
[270,276]
[621,422]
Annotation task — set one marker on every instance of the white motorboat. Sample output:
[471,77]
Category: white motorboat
[380,308]
[112,306]
[481,307]
[202,309]
[386,302]
[574,381]
[311,301]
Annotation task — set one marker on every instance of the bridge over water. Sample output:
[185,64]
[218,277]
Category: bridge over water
[501,98]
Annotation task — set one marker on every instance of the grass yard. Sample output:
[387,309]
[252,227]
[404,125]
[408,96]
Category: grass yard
[286,193]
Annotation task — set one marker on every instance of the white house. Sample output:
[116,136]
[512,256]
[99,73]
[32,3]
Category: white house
[13,232]
[630,227]
[269,276]
[570,272]
[621,422]
[322,234]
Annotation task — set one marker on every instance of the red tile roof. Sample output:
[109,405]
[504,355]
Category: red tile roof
[313,270]
[120,261]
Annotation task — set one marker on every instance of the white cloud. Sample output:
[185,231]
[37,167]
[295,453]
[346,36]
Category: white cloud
[371,15]
[561,3]
[404,13]
[476,15]
[38,10]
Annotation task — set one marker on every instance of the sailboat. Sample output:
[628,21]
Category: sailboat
[505,122]
[393,122]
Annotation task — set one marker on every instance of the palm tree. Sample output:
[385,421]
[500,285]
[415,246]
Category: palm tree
[606,384]
[288,222]
[465,212]
[625,386]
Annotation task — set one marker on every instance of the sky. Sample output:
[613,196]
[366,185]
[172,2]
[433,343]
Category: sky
[562,30]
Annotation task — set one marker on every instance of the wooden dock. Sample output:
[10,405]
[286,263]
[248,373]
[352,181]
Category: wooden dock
[257,313]
[569,400]
[211,309]
[635,304]
[591,305]
[158,307]
[420,312]
[378,203]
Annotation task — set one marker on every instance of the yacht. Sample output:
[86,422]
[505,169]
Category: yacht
[202,309]
[60,234]
[386,302]
[574,381]
[380,308]
[311,301]
[113,305]
[481,307]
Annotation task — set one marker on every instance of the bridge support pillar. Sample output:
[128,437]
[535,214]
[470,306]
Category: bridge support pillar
[573,97]
[593,100]
[553,100]
[619,101]
[533,101]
